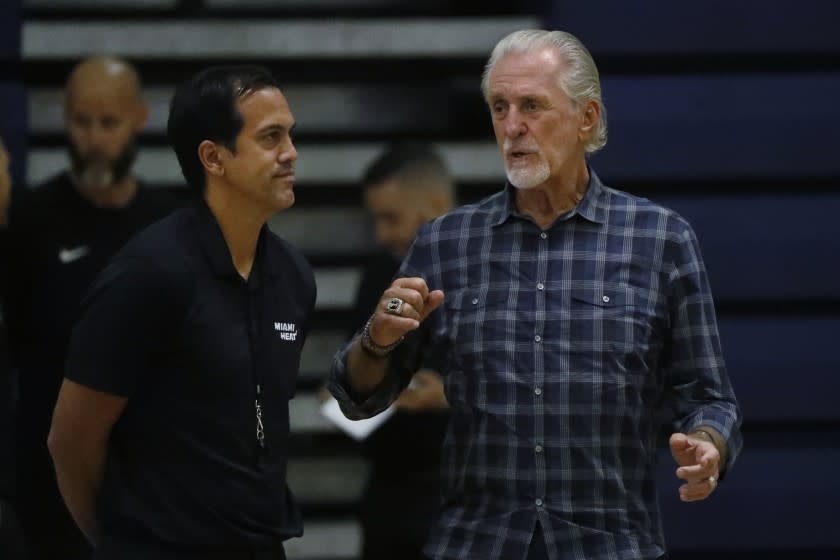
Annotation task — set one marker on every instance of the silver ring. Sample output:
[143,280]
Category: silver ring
[713,481]
[394,306]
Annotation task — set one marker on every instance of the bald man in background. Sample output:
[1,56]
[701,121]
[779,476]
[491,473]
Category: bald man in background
[59,236]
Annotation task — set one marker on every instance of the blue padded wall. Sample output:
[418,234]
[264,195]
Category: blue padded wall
[728,113]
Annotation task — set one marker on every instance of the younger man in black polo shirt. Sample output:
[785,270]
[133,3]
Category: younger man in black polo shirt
[171,429]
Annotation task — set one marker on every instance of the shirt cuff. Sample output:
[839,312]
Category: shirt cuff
[353,405]
[726,426]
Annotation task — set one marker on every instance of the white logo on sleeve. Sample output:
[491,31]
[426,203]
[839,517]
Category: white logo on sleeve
[288,331]
[66,256]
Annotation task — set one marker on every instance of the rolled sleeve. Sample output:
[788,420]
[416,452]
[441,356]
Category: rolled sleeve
[701,391]
[403,362]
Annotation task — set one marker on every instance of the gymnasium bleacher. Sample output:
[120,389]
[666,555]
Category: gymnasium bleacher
[725,111]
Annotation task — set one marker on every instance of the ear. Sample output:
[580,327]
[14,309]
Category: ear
[590,115]
[209,153]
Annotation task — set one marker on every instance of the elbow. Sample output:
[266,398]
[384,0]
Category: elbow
[57,444]
[53,443]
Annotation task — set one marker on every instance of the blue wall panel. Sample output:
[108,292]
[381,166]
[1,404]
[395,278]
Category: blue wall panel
[711,27]
[774,498]
[783,368]
[702,127]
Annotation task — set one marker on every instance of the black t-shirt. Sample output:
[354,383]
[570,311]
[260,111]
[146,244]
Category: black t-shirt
[407,448]
[56,243]
[171,325]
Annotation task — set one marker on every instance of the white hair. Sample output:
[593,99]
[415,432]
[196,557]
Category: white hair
[579,81]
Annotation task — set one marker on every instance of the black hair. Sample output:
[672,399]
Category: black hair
[205,108]
[405,159]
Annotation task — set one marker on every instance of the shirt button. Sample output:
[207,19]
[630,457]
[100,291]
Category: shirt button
[537,338]
[538,391]
[538,448]
[540,286]
[606,299]
[475,301]
[539,502]
[543,235]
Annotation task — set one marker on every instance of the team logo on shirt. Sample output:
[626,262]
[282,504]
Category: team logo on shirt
[288,331]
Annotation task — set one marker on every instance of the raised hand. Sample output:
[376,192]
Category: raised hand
[402,307]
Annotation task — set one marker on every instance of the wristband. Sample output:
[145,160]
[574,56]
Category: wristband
[373,349]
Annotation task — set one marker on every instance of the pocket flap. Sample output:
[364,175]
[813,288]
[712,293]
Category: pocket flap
[604,297]
[477,298]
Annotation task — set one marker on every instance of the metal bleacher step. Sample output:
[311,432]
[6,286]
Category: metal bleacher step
[333,109]
[339,539]
[261,40]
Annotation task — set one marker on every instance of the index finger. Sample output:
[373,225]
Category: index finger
[709,457]
[413,283]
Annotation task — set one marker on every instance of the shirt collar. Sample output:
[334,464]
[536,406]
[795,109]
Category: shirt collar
[592,207]
[217,251]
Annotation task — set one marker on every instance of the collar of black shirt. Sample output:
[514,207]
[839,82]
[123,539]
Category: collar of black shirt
[217,252]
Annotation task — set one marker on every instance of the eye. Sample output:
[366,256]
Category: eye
[271,138]
[498,108]
[531,106]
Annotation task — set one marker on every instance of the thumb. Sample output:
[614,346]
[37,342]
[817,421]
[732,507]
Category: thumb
[432,302]
[679,442]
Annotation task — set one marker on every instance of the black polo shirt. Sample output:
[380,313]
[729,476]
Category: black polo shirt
[171,325]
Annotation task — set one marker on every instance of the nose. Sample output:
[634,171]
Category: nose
[514,124]
[97,138]
[289,155]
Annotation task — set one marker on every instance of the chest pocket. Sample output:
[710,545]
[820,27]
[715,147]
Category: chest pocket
[478,325]
[612,320]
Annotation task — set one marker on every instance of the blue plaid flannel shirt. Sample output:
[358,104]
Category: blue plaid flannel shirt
[566,349]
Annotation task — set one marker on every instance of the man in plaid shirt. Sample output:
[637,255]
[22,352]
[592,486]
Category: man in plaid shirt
[576,317]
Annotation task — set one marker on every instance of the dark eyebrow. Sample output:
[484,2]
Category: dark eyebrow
[275,128]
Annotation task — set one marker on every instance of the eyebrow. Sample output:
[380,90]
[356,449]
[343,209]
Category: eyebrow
[275,127]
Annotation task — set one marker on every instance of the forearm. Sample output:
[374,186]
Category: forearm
[79,479]
[369,373]
[364,372]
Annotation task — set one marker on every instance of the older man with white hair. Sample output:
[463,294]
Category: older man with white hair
[576,316]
